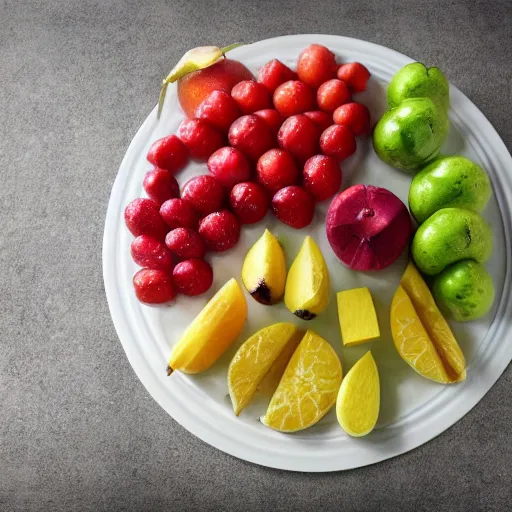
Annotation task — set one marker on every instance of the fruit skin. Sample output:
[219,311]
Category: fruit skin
[219,110]
[299,135]
[211,332]
[178,213]
[150,253]
[273,119]
[354,116]
[249,201]
[450,235]
[168,153]
[307,285]
[153,286]
[293,97]
[185,243]
[264,270]
[275,73]
[355,75]
[322,177]
[464,290]
[251,96]
[451,181]
[367,227]
[220,230]
[358,402]
[192,277]
[229,166]
[200,138]
[293,206]
[251,136]
[322,119]
[332,94]
[142,217]
[338,141]
[276,169]
[160,185]
[410,136]
[417,81]
[204,193]
[196,86]
[316,65]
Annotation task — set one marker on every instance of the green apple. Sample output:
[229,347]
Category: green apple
[464,290]
[450,235]
[448,181]
[410,135]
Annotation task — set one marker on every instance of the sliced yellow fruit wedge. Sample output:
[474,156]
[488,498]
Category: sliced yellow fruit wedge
[358,403]
[308,388]
[211,332]
[254,359]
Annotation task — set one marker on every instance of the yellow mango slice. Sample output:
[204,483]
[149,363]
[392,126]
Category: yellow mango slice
[254,359]
[358,403]
[211,332]
[308,388]
[356,313]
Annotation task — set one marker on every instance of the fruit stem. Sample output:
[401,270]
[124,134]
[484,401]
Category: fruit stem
[230,47]
[169,371]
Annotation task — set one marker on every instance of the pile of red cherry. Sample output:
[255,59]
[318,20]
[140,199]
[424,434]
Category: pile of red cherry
[287,133]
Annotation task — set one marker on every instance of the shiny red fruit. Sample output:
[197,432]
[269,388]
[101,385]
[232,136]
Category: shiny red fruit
[168,153]
[293,206]
[299,135]
[355,75]
[150,253]
[322,119]
[192,277]
[251,136]
[251,96]
[322,177]
[355,116]
[277,169]
[142,217]
[178,213]
[338,141]
[293,97]
[220,230]
[275,73]
[219,110]
[273,119]
[332,94]
[229,166]
[153,286]
[200,138]
[316,65]
[204,193]
[160,185]
[249,201]
[185,243]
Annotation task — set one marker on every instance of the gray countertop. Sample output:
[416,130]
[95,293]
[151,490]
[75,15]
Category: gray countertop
[78,431]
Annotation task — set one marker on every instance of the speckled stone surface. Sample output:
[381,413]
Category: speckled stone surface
[78,431]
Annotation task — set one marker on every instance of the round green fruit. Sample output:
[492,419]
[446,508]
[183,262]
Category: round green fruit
[446,182]
[411,135]
[450,235]
[464,290]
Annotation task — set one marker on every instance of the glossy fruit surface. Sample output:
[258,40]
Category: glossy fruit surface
[338,141]
[220,230]
[168,153]
[153,286]
[293,97]
[192,277]
[355,75]
[200,138]
[251,135]
[272,118]
[277,169]
[322,177]
[299,136]
[142,217]
[160,185]
[249,201]
[178,213]
[251,96]
[355,116]
[185,243]
[316,65]
[148,252]
[322,119]
[229,166]
[275,73]
[332,94]
[219,110]
[204,193]
[293,206]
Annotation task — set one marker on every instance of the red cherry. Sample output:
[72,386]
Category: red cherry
[322,177]
[249,201]
[299,135]
[229,166]
[293,97]
[276,169]
[193,277]
[160,185]
[204,193]
[251,136]
[332,94]
[354,116]
[316,65]
[219,110]
[272,118]
[200,138]
[220,230]
[185,243]
[178,213]
[153,286]
[142,218]
[251,96]
[275,73]
[355,75]
[322,119]
[293,206]
[168,153]
[337,141]
[148,252]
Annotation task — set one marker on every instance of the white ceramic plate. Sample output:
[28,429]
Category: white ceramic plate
[413,409]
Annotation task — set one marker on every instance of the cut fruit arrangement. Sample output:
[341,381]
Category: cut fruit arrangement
[275,143]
